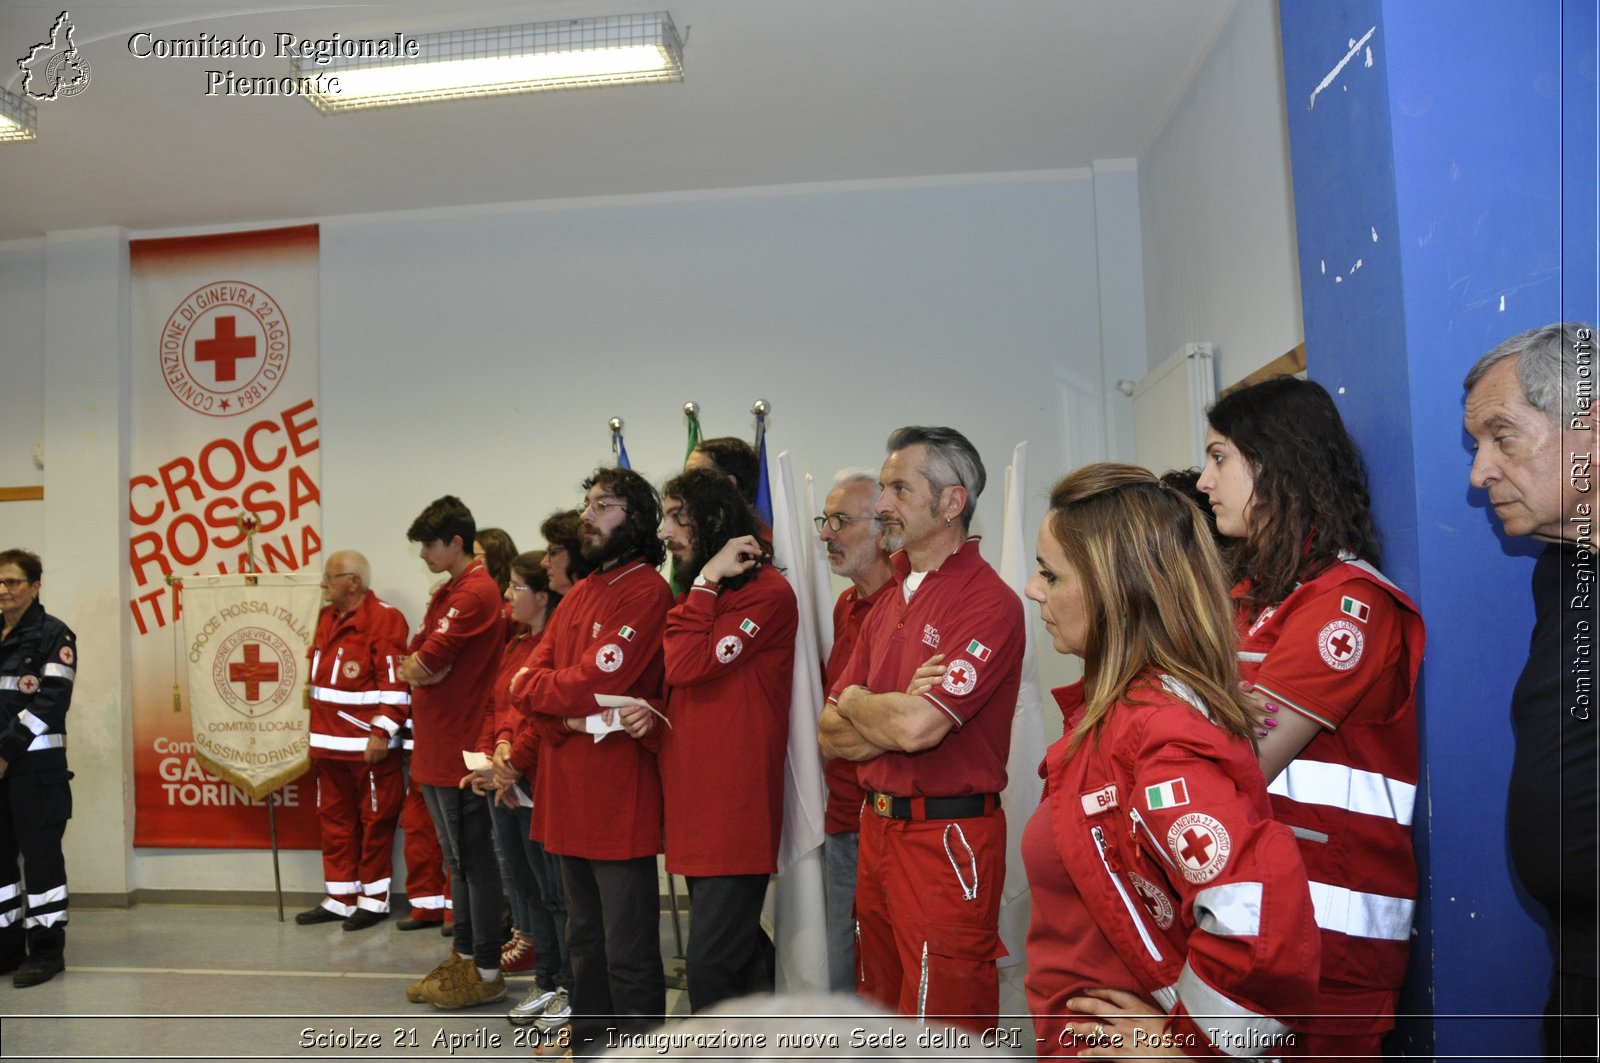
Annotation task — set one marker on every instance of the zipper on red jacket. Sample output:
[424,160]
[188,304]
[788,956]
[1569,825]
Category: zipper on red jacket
[1127,901]
[1160,850]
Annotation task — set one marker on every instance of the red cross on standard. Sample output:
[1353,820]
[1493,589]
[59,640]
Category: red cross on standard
[225,349]
[253,671]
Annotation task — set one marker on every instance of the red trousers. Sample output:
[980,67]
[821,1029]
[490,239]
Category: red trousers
[927,906]
[427,886]
[358,805]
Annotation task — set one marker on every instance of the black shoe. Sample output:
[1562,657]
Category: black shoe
[362,918]
[319,914]
[11,963]
[36,970]
[448,930]
[411,922]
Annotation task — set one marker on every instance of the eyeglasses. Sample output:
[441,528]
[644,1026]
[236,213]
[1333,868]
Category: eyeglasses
[837,521]
[600,505]
[517,588]
[13,584]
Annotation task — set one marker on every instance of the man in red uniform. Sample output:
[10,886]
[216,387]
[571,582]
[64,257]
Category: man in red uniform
[925,704]
[452,664]
[729,654]
[358,704]
[597,805]
[849,530]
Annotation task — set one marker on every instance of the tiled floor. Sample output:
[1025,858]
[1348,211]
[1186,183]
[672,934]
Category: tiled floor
[213,982]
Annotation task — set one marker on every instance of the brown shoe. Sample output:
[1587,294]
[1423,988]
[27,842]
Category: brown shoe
[466,990]
[417,992]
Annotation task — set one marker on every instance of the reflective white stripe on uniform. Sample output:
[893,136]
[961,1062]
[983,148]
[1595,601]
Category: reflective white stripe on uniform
[393,697]
[1362,915]
[339,889]
[47,742]
[1234,1030]
[337,742]
[345,697]
[8,892]
[60,671]
[427,903]
[373,904]
[1316,782]
[1229,910]
[32,722]
[339,907]
[1167,996]
[1246,655]
[9,682]
[46,919]
[49,896]
[375,888]
[9,918]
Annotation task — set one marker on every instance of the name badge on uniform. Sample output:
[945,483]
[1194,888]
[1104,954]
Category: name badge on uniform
[1098,801]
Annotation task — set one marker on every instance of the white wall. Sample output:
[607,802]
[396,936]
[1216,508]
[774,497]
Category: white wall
[1217,208]
[482,352]
[22,379]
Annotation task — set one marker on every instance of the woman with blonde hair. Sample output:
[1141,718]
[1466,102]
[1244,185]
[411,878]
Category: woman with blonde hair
[1171,914]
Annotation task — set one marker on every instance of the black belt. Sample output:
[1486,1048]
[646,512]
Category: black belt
[933,807]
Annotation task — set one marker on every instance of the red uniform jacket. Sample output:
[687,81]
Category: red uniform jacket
[355,684]
[1163,825]
[597,800]
[729,658]
[964,610]
[1344,649]
[462,631]
[845,792]
[505,723]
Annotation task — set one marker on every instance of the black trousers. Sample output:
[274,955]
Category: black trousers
[34,809]
[614,942]
[729,954]
[1570,1017]
[461,820]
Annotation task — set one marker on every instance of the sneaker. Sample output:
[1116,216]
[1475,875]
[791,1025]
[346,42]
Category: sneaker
[517,956]
[416,992]
[466,990]
[557,1013]
[533,1005]
[36,970]
[417,922]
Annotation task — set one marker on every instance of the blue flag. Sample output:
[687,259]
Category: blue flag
[763,486]
[620,450]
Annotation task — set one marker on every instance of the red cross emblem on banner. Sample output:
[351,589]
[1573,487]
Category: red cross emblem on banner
[225,349]
[253,671]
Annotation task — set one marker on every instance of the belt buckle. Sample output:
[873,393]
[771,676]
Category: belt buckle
[881,804]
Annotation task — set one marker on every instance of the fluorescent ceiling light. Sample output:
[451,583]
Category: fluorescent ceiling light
[535,57]
[19,119]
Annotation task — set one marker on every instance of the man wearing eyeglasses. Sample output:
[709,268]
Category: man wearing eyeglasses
[38,663]
[925,706]
[358,705]
[598,803]
[729,649]
[849,529]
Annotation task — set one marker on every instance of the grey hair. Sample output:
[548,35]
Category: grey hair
[952,459]
[1549,364]
[855,474]
[358,561]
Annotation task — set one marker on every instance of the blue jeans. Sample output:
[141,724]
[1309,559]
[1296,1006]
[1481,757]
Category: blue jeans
[839,854]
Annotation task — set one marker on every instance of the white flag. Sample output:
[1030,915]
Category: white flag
[800,920]
[246,639]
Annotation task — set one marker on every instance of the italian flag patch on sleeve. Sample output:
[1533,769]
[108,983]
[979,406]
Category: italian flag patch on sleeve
[978,650]
[1354,607]
[1166,795]
[748,626]
[627,632]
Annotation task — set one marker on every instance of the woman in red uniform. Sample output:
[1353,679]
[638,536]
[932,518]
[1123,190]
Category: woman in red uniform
[1170,913]
[1332,650]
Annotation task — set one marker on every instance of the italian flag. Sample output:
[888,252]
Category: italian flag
[748,626]
[1354,607]
[978,650]
[1166,795]
[627,632]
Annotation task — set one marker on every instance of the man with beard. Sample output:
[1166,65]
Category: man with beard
[932,735]
[597,805]
[729,651]
[452,663]
[849,530]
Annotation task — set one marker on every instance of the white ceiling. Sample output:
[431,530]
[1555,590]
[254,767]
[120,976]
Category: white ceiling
[775,92]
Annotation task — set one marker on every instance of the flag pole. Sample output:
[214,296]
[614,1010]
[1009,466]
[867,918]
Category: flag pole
[249,523]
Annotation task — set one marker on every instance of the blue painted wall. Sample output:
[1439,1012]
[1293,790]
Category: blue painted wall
[1430,193]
